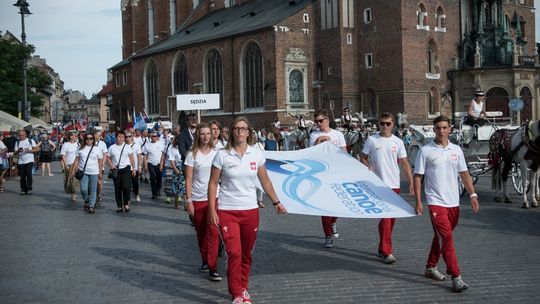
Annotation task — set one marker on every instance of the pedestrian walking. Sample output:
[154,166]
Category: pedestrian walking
[122,166]
[89,161]
[440,163]
[197,174]
[174,186]
[142,140]
[325,133]
[104,149]
[138,162]
[46,149]
[68,154]
[237,213]
[4,161]
[153,152]
[217,137]
[25,149]
[383,153]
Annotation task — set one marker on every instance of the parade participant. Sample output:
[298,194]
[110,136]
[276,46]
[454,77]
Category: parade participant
[142,140]
[197,173]
[46,149]
[383,153]
[325,133]
[439,163]
[69,153]
[346,119]
[237,213]
[138,162]
[225,133]
[89,160]
[153,152]
[186,136]
[217,137]
[25,148]
[4,162]
[174,178]
[122,162]
[104,149]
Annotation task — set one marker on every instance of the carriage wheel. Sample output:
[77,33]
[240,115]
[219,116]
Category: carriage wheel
[516,179]
[413,152]
[461,186]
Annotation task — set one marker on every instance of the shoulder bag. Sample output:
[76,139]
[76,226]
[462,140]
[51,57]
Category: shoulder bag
[80,173]
[113,173]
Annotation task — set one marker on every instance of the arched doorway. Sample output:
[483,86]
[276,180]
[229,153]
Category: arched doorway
[526,95]
[497,100]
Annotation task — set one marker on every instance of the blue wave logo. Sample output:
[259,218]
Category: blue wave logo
[302,172]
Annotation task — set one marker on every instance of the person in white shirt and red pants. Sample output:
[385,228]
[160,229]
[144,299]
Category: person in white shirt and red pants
[440,163]
[382,154]
[237,213]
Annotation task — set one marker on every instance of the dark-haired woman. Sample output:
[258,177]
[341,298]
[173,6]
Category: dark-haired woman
[89,159]
[122,161]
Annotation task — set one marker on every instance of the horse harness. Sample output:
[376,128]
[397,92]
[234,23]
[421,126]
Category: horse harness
[501,143]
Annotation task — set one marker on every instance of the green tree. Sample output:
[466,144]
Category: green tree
[12,56]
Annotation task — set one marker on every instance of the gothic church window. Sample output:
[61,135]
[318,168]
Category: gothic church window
[296,87]
[329,14]
[152,89]
[367,15]
[181,80]
[214,75]
[422,23]
[441,20]
[253,76]
[432,61]
[433,101]
[348,13]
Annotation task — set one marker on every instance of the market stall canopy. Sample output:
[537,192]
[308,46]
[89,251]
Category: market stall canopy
[9,122]
[36,123]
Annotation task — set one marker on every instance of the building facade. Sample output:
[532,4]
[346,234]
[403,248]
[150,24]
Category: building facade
[272,59]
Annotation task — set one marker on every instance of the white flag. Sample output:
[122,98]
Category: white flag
[324,180]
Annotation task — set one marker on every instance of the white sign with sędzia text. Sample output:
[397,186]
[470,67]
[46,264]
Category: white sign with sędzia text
[197,102]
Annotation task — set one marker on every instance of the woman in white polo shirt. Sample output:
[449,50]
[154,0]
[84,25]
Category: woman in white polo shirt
[237,214]
[121,159]
[197,173]
[90,160]
[69,153]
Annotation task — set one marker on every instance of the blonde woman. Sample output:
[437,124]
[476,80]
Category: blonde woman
[237,214]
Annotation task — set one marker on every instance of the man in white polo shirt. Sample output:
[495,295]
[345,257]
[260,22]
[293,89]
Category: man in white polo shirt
[153,152]
[325,133]
[440,162]
[382,154]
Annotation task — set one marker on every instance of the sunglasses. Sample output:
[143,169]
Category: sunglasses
[319,120]
[89,138]
[129,136]
[385,123]
[154,136]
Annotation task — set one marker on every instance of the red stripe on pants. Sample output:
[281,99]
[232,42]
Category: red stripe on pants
[207,235]
[444,220]
[239,231]
[327,222]
[386,226]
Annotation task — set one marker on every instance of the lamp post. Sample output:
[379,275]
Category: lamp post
[23,10]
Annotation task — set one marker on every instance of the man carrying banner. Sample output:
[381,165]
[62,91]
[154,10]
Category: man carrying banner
[325,133]
[440,162]
[382,154]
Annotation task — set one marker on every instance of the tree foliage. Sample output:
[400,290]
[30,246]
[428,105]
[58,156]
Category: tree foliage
[12,56]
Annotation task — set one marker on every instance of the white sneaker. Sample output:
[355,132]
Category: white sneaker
[238,300]
[329,243]
[458,285]
[138,198]
[434,274]
[389,259]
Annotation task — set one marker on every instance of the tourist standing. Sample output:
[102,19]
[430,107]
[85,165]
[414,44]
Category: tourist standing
[46,149]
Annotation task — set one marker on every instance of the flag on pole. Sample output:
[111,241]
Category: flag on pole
[139,122]
[133,115]
[145,116]
[129,120]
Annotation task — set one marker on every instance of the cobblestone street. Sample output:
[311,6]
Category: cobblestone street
[53,252]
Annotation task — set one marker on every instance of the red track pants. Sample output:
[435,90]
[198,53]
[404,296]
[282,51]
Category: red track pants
[386,226]
[207,235]
[239,232]
[327,222]
[444,221]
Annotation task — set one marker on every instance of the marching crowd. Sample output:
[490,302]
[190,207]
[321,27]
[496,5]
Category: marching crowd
[212,169]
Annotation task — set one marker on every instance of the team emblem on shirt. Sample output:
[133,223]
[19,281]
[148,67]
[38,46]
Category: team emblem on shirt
[394,149]
[253,166]
[454,157]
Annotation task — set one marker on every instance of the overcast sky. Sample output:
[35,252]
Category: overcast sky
[79,39]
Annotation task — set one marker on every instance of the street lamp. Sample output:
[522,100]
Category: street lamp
[23,10]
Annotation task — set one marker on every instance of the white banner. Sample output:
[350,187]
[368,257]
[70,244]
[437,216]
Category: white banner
[197,102]
[324,180]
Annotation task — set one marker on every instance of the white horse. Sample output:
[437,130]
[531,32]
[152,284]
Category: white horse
[520,146]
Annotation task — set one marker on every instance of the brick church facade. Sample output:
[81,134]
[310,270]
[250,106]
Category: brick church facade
[277,58]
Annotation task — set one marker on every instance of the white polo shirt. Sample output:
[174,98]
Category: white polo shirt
[202,166]
[114,154]
[174,156]
[136,151]
[92,167]
[238,190]
[27,156]
[336,137]
[153,151]
[69,151]
[384,153]
[440,167]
